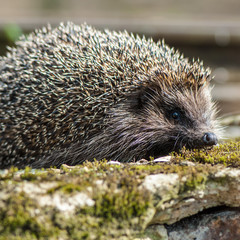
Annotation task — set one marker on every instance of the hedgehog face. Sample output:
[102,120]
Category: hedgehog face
[177,117]
[155,121]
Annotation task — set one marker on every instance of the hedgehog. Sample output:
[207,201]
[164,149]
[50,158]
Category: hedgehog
[74,93]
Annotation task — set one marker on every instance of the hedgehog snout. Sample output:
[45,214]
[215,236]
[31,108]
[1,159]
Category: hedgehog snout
[209,139]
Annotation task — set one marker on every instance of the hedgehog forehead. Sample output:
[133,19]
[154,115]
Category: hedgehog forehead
[179,94]
[178,77]
[194,103]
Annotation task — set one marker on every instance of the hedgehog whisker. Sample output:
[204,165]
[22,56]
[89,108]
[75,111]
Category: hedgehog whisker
[177,138]
[181,142]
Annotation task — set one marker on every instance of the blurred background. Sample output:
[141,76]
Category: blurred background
[206,29]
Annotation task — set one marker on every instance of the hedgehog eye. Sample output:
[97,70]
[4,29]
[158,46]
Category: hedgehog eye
[176,115]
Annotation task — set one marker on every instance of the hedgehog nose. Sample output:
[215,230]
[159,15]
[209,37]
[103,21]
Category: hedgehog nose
[209,139]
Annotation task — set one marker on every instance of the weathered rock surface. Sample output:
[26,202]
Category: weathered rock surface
[221,224]
[179,199]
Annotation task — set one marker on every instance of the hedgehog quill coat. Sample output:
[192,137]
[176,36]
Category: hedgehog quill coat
[73,93]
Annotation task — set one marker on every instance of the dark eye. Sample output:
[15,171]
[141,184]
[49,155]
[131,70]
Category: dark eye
[176,115]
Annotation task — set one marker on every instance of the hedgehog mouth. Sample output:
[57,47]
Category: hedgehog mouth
[159,150]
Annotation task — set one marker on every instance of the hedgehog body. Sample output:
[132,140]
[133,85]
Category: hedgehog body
[73,93]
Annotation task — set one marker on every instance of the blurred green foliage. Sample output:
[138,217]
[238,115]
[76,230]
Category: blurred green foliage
[51,5]
[12,32]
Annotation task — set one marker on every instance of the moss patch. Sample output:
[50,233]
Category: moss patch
[121,208]
[227,154]
[17,222]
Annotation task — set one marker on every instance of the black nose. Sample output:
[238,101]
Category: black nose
[210,139]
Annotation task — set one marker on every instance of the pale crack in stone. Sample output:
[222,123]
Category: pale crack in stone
[160,182]
[31,189]
[66,203]
[234,173]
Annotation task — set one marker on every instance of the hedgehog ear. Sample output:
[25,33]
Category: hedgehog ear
[140,101]
[143,97]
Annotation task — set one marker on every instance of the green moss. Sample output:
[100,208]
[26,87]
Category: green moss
[16,220]
[125,204]
[9,173]
[227,154]
[120,206]
[194,181]
[119,203]
[66,188]
[29,175]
